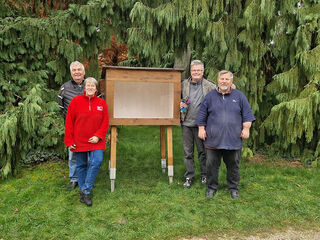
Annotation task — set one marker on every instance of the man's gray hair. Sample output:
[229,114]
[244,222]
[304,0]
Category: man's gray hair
[91,80]
[225,72]
[197,62]
[76,63]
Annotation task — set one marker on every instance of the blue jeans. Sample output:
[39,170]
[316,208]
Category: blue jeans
[88,168]
[72,167]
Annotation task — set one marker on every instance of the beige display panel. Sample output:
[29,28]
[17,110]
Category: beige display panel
[143,100]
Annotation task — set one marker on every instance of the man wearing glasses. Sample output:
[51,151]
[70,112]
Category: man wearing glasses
[193,90]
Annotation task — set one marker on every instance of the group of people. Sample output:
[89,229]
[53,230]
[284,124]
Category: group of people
[216,118]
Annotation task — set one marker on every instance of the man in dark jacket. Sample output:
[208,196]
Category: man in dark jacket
[224,119]
[68,91]
[193,90]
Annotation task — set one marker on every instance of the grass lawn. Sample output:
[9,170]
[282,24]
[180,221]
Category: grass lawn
[37,205]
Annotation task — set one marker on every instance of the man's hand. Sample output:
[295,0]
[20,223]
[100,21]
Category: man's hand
[202,133]
[93,139]
[73,146]
[183,105]
[245,133]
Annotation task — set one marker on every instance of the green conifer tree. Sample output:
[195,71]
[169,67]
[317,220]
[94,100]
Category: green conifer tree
[271,46]
[37,44]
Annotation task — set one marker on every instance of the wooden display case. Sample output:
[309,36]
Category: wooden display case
[143,96]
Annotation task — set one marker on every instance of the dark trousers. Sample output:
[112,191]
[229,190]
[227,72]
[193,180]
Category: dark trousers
[189,137]
[232,160]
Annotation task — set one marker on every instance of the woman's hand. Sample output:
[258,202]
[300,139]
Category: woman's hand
[93,139]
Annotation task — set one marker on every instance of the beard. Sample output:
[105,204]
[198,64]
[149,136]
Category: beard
[224,88]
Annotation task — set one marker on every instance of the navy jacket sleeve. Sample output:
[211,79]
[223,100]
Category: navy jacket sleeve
[247,115]
[202,115]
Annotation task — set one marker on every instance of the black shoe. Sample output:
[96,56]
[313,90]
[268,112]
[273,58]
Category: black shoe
[187,183]
[86,199]
[234,194]
[72,185]
[81,196]
[210,193]
[203,180]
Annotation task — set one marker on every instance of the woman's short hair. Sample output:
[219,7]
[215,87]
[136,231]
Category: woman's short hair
[91,80]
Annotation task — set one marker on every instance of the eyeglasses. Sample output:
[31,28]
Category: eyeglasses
[197,70]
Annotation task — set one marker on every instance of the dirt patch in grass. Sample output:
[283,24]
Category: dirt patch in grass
[263,159]
[289,234]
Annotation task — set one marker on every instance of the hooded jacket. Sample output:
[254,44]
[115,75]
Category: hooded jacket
[86,117]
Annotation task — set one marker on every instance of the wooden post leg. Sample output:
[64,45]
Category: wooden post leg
[113,156]
[163,148]
[170,153]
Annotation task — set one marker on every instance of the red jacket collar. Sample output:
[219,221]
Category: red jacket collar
[84,94]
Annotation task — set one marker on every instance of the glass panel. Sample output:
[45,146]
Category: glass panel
[143,100]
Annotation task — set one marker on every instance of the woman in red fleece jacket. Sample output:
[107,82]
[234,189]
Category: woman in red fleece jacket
[86,127]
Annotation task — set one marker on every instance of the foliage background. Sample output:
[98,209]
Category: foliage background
[271,46]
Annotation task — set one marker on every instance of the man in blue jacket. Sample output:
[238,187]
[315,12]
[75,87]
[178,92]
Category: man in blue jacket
[224,119]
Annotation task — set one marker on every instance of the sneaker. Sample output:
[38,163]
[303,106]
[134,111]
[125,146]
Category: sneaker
[234,194]
[187,183]
[72,185]
[210,193]
[203,180]
[81,197]
[85,198]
